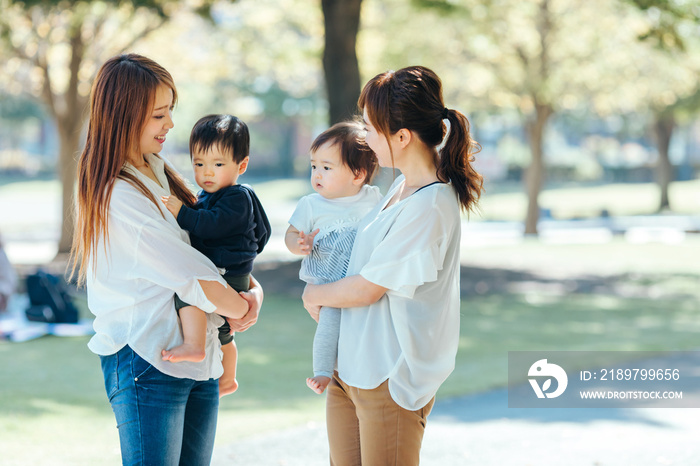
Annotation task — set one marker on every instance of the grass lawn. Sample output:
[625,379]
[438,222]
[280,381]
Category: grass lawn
[53,407]
[588,201]
[52,402]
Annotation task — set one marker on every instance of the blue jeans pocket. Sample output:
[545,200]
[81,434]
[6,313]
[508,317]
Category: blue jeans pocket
[141,368]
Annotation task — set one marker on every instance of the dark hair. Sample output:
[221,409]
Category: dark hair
[121,102]
[227,132]
[354,152]
[411,98]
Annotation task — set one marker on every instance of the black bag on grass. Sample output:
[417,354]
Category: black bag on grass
[49,300]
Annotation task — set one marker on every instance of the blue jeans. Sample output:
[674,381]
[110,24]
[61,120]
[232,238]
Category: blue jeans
[162,420]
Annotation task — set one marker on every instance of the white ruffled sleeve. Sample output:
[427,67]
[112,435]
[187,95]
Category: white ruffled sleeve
[414,248]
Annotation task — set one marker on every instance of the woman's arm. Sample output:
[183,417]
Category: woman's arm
[352,291]
[227,300]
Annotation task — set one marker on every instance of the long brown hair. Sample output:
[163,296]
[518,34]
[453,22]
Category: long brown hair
[411,98]
[121,102]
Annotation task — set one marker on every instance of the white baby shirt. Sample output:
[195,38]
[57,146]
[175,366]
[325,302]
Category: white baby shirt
[337,220]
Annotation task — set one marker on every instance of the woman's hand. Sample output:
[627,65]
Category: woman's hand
[254,298]
[251,317]
[348,292]
[312,307]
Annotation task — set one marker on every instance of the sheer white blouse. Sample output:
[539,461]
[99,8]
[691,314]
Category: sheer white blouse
[410,336]
[131,282]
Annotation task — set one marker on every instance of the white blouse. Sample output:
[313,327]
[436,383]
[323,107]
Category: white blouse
[410,336]
[131,282]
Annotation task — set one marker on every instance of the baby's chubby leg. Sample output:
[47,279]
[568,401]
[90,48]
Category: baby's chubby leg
[227,382]
[325,349]
[194,328]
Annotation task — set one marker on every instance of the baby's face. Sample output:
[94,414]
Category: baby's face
[214,170]
[329,176]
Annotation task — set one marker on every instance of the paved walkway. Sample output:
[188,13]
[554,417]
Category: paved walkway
[481,430]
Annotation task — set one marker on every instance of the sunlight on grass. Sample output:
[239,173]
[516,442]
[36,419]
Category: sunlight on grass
[615,257]
[493,325]
[589,201]
[643,298]
[56,382]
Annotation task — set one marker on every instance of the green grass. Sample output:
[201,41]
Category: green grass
[52,402]
[589,201]
[493,325]
[603,259]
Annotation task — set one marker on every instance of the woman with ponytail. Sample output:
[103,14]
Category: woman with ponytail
[134,257]
[400,298]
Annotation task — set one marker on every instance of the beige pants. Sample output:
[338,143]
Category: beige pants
[368,428]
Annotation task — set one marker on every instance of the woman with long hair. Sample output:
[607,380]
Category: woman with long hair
[133,256]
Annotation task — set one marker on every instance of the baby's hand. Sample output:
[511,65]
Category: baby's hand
[306,242]
[172,203]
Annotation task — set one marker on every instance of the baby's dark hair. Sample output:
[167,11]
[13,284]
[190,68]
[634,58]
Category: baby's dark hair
[354,151]
[227,132]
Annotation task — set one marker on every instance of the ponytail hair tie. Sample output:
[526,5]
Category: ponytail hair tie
[444,113]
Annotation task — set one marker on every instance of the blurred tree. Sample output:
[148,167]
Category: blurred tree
[541,57]
[667,19]
[56,48]
[672,27]
[342,72]
[15,112]
[268,72]
[535,56]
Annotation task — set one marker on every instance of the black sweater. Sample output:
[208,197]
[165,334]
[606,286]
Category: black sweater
[229,226]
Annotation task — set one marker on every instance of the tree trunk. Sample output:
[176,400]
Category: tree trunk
[69,118]
[534,176]
[664,123]
[69,137]
[340,66]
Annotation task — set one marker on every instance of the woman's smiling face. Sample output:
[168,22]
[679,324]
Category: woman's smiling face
[158,123]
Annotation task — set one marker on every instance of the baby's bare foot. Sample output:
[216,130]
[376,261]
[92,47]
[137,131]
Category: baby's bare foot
[226,387]
[318,384]
[183,352]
